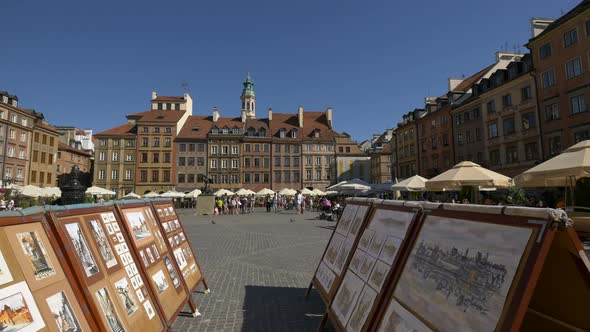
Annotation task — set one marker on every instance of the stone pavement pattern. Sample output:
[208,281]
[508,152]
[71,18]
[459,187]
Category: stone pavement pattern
[258,267]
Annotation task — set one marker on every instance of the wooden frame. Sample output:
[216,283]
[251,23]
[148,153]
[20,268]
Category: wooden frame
[62,282]
[526,271]
[388,222]
[99,289]
[167,204]
[327,297]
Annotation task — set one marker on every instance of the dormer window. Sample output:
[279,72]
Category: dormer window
[235,131]
[215,131]
[160,106]
[5,99]
[14,102]
[251,131]
[225,131]
[294,133]
[262,132]
[316,133]
[282,133]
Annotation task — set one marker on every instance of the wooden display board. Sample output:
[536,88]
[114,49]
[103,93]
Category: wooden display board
[140,222]
[37,292]
[371,268]
[173,230]
[488,268]
[338,252]
[106,268]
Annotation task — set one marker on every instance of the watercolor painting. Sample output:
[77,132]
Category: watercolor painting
[397,318]
[126,296]
[102,242]
[37,257]
[160,280]
[5,275]
[138,227]
[63,314]
[18,310]
[82,250]
[108,309]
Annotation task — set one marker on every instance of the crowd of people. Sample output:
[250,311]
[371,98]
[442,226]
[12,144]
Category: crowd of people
[10,206]
[234,204]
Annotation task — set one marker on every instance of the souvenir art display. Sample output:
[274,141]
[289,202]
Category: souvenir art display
[18,310]
[338,250]
[64,316]
[156,259]
[372,264]
[182,251]
[107,267]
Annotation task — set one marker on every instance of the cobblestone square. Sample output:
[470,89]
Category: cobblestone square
[258,267]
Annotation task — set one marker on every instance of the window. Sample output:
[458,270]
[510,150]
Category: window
[580,136]
[200,161]
[181,178]
[11,133]
[234,150]
[554,144]
[23,137]
[266,148]
[116,142]
[24,121]
[277,161]
[43,156]
[341,149]
[247,147]
[182,147]
[127,174]
[256,162]
[156,142]
[282,133]
[167,142]
[191,147]
[155,176]
[21,155]
[169,106]
[308,175]
[348,149]
[548,79]
[578,104]
[160,106]
[144,157]
[318,174]
[468,137]
[224,149]
[246,177]
[573,68]
[287,148]
[492,130]
[287,161]
[508,126]
[214,149]
[266,178]
[528,120]
[130,144]
[460,138]
[13,118]
[234,163]
[433,143]
[223,163]
[144,142]
[49,157]
[570,38]
[58,154]
[293,134]
[545,51]
[190,161]
[233,178]
[277,176]
[525,93]
[478,134]
[101,174]
[157,130]
[308,147]
[318,160]
[552,112]
[246,162]
[115,156]
[201,147]
[277,148]
[143,176]
[286,176]
[308,160]
[531,151]
[507,100]
[145,129]
[213,163]
[296,149]
[37,138]
[114,174]
[256,147]
[167,157]
[129,157]
[511,154]
[156,157]
[588,28]
[495,157]
[101,155]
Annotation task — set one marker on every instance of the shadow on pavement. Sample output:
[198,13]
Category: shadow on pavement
[327,227]
[282,309]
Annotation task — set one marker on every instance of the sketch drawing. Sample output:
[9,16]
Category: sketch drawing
[104,247]
[357,260]
[378,275]
[139,227]
[361,310]
[389,251]
[459,272]
[37,257]
[108,310]
[366,239]
[366,267]
[346,297]
[376,244]
[62,312]
[398,319]
[171,271]
[346,219]
[343,255]
[18,310]
[160,280]
[358,220]
[333,248]
[126,296]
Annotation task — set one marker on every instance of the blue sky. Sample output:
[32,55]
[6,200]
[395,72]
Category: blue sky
[88,64]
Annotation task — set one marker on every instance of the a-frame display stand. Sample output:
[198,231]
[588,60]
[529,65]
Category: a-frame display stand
[141,223]
[173,229]
[107,268]
[37,288]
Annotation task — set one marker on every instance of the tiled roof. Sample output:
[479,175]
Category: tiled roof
[468,82]
[317,120]
[285,121]
[195,127]
[228,122]
[47,126]
[566,17]
[127,129]
[80,132]
[157,116]
[388,148]
[169,98]
[64,147]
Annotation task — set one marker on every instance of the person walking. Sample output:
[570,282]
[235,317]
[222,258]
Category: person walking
[299,202]
[268,203]
[275,203]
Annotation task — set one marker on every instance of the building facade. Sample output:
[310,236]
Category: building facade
[225,145]
[68,157]
[406,143]
[115,159]
[44,150]
[318,148]
[191,151]
[435,132]
[560,54]
[256,154]
[286,150]
[351,161]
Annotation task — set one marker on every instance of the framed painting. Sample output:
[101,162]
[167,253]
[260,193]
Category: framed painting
[64,315]
[5,275]
[18,310]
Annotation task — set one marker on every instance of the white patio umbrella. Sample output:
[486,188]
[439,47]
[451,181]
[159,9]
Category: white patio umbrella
[243,192]
[223,192]
[468,174]
[265,192]
[31,191]
[562,170]
[331,193]
[193,194]
[51,192]
[287,192]
[351,184]
[317,192]
[132,195]
[151,194]
[172,194]
[98,191]
[413,183]
[306,191]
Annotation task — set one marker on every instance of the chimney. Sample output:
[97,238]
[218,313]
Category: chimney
[269,114]
[453,82]
[300,116]
[329,117]
[215,114]
[154,95]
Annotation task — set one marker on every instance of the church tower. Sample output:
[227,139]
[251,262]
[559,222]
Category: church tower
[248,99]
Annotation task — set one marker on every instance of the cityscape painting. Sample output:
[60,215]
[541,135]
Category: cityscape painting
[139,228]
[108,308]
[459,272]
[398,319]
[104,247]
[82,249]
[63,314]
[18,310]
[37,256]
